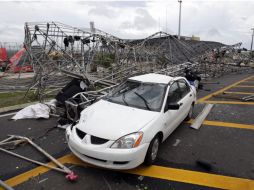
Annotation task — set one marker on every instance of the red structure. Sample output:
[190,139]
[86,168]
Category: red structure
[3,58]
[13,64]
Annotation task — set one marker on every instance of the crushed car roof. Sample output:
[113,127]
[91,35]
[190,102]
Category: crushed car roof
[153,78]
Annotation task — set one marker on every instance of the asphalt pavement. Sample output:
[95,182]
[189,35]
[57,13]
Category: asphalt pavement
[220,155]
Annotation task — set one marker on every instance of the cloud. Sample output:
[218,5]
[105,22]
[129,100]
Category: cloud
[226,21]
[143,20]
[126,25]
[103,11]
[138,25]
[130,4]
[116,4]
[213,32]
[244,18]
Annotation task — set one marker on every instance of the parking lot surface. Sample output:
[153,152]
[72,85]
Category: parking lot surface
[219,155]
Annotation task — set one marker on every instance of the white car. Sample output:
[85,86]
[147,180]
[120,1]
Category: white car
[125,128]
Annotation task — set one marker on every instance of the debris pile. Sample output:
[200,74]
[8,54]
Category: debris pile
[61,54]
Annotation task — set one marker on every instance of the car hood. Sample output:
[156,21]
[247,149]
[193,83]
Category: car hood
[111,121]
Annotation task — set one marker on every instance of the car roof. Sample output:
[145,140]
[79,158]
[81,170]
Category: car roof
[153,78]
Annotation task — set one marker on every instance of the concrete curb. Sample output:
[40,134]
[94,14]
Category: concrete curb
[15,107]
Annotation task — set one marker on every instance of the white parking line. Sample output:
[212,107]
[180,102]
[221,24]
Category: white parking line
[177,142]
[8,114]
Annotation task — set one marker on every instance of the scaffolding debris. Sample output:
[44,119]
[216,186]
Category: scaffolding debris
[16,140]
[60,53]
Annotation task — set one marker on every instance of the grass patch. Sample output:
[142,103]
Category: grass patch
[15,98]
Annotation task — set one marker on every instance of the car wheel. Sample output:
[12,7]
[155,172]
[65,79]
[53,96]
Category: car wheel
[152,151]
[189,116]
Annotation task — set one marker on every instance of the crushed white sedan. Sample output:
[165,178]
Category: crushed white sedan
[125,128]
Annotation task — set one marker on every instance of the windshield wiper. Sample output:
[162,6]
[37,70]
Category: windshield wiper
[123,98]
[145,101]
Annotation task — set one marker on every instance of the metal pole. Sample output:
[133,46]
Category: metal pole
[159,23]
[179,25]
[34,161]
[251,42]
[4,185]
[166,19]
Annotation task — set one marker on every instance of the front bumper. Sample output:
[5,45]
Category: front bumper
[103,156]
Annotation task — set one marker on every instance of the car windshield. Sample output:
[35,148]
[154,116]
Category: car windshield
[148,96]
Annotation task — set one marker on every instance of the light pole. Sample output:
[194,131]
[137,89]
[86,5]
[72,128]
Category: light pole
[179,25]
[166,19]
[251,42]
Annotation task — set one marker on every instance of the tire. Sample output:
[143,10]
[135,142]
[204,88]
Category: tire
[152,151]
[189,116]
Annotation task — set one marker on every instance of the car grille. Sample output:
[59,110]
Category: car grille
[80,133]
[114,162]
[97,140]
[95,158]
[120,163]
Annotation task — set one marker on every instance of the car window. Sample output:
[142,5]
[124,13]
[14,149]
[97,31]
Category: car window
[148,96]
[184,87]
[174,94]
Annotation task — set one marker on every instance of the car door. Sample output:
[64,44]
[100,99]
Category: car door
[171,117]
[186,98]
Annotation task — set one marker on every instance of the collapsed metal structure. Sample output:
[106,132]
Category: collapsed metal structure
[56,47]
[59,52]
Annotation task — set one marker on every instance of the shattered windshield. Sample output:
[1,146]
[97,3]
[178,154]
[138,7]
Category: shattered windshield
[148,96]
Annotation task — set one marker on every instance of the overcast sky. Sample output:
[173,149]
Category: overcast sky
[225,21]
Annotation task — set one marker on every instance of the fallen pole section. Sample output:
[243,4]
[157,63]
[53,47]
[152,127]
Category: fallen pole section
[201,117]
[16,140]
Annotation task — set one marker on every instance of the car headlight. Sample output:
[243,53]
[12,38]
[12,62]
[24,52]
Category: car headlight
[129,141]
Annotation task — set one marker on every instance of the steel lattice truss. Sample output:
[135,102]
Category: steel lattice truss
[56,50]
[67,47]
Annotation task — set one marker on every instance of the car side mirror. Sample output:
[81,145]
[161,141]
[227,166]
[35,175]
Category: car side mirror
[173,106]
